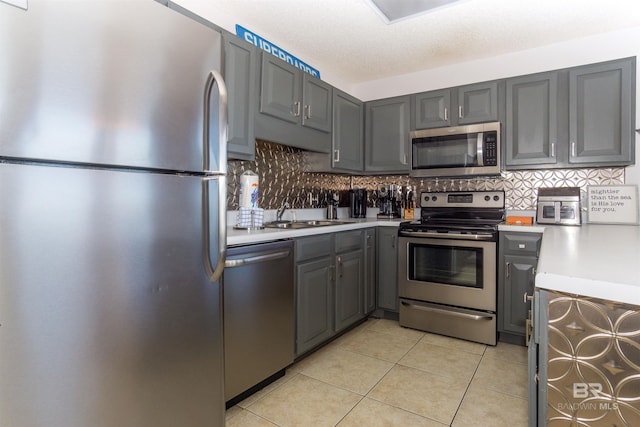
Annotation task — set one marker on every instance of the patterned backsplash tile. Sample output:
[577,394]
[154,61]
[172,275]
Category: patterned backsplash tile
[283,178]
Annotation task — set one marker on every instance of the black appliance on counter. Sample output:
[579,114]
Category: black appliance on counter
[447,264]
[358,203]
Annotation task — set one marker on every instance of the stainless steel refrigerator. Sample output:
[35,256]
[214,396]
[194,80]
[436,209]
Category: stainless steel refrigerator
[112,216]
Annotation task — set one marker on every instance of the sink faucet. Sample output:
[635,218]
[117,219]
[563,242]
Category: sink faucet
[280,211]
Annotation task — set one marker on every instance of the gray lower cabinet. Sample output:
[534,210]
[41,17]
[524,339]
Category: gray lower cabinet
[294,107]
[314,291]
[517,257]
[349,288]
[330,272]
[387,135]
[530,133]
[240,75]
[314,303]
[370,270]
[347,139]
[387,256]
[474,103]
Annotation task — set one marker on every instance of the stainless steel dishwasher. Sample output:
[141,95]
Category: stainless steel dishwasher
[258,315]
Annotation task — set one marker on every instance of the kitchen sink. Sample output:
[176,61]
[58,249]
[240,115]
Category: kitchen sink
[304,224]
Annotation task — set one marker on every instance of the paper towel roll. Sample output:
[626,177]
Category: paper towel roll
[249,190]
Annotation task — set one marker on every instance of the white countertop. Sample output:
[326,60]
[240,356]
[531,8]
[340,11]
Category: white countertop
[243,237]
[593,260]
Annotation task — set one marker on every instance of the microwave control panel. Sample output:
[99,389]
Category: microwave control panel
[490,149]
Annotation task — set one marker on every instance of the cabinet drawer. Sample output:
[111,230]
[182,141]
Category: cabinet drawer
[521,243]
[313,247]
[348,240]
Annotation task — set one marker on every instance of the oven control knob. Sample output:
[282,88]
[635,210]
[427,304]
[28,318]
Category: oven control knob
[487,198]
[496,198]
[434,198]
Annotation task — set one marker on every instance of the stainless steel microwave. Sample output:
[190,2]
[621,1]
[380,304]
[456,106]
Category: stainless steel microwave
[456,151]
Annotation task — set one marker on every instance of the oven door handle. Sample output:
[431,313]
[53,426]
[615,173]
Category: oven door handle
[447,312]
[447,235]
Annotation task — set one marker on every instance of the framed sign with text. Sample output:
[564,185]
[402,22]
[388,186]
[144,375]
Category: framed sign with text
[613,204]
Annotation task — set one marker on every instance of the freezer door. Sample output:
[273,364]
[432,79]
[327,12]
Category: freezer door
[107,314]
[107,83]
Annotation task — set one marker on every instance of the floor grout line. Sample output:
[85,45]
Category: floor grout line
[393,364]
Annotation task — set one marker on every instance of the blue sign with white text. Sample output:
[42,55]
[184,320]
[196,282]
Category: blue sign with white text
[267,46]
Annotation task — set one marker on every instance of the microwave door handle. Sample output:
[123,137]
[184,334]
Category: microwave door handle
[479,150]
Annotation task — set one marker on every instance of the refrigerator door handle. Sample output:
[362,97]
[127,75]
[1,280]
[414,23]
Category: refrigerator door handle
[219,175]
[214,273]
[214,78]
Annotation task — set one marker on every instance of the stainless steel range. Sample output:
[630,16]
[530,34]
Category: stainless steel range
[447,265]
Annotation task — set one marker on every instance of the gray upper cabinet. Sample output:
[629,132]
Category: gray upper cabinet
[475,103]
[530,132]
[347,138]
[300,103]
[240,74]
[280,87]
[575,117]
[316,103]
[602,113]
[387,135]
[431,109]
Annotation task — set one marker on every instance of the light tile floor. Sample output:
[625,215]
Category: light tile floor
[381,374]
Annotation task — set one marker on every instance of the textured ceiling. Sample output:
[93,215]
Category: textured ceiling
[349,40]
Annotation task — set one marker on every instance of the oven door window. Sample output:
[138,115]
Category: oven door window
[449,151]
[451,265]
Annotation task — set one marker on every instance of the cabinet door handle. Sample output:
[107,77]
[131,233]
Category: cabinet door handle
[296,109]
[526,298]
[553,149]
[404,159]
[460,115]
[330,273]
[307,109]
[393,241]
[573,149]
[446,114]
[340,268]
[336,156]
[507,270]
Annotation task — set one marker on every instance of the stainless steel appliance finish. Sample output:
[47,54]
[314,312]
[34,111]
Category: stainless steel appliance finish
[447,265]
[112,216]
[559,206]
[456,151]
[258,314]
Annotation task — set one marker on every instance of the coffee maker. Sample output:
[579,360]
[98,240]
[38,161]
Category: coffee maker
[389,201]
[358,203]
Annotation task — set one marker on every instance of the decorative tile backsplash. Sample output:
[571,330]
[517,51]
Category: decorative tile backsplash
[283,178]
